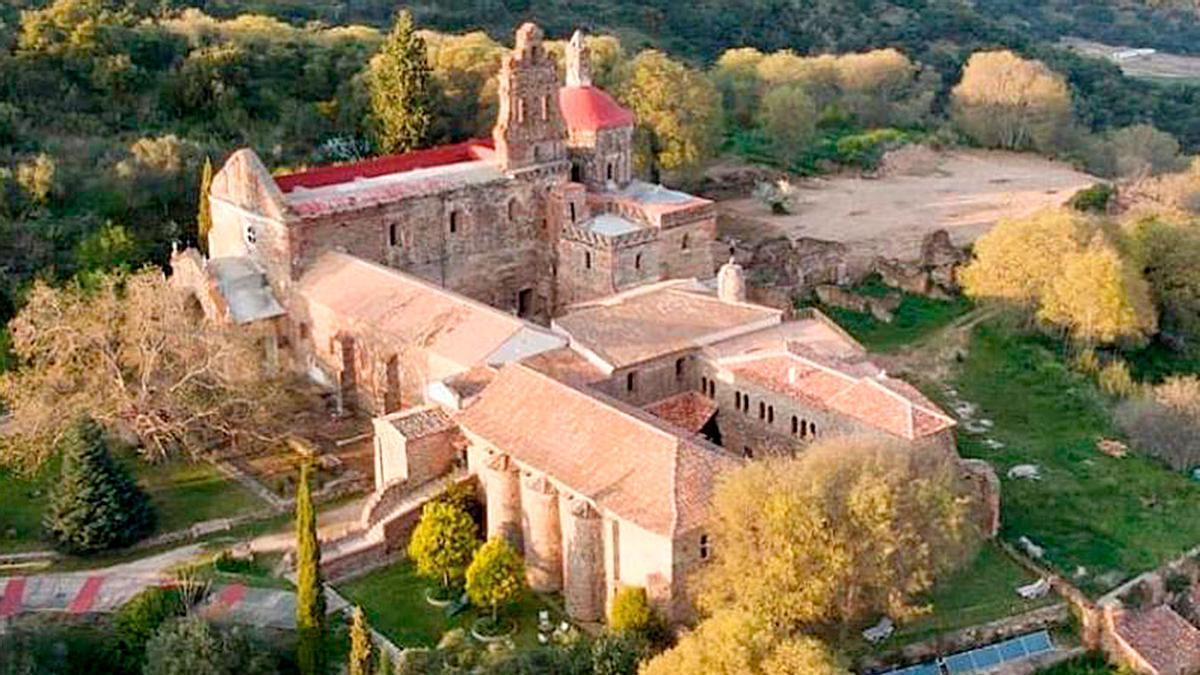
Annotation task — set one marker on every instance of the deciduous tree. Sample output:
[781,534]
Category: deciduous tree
[399,85]
[852,528]
[1005,101]
[130,351]
[496,576]
[678,112]
[789,117]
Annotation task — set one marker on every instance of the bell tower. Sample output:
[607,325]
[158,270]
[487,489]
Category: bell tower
[579,62]
[529,127]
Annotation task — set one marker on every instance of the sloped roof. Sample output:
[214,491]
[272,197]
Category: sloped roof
[1162,638]
[474,149]
[245,289]
[617,456]
[590,108]
[689,411]
[385,303]
[657,320]
[874,400]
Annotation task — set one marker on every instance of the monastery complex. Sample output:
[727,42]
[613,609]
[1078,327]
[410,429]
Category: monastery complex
[520,313]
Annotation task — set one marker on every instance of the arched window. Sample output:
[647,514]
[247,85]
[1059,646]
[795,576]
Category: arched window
[737,400]
[572,212]
[704,547]
[746,403]
[512,210]
[609,171]
[394,234]
[685,243]
[679,365]
[795,424]
[803,428]
[454,221]
[631,381]
[637,262]
[587,260]
[812,429]
[712,388]
[704,385]
[770,414]
[747,452]
[762,410]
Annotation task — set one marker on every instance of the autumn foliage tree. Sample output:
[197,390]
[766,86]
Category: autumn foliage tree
[853,528]
[678,112]
[130,351]
[1005,101]
[496,576]
[443,542]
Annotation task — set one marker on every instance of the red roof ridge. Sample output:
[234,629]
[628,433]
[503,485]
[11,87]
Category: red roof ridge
[590,108]
[474,149]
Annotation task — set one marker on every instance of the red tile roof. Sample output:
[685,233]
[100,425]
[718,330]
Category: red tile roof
[591,109]
[1162,638]
[621,458]
[879,402]
[689,411]
[467,151]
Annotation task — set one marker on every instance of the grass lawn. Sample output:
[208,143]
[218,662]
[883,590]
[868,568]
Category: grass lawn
[1114,517]
[393,599]
[183,492]
[916,318]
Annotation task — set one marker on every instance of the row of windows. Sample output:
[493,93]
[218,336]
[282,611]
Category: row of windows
[545,108]
[800,427]
[631,379]
[396,235]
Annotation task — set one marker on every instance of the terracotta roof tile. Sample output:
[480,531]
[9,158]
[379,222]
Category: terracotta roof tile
[658,320]
[689,411]
[1162,638]
[621,458]
[874,400]
[420,422]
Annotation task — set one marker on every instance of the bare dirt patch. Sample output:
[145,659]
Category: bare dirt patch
[1140,63]
[964,192]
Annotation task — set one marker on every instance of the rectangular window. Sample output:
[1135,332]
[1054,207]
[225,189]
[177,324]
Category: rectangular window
[393,235]
[453,222]
[704,547]
[679,365]
[631,381]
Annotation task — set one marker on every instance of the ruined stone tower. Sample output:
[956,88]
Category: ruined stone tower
[529,127]
[579,62]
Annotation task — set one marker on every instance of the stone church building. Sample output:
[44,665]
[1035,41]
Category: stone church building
[522,314]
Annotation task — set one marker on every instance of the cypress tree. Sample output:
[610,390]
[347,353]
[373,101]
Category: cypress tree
[310,596]
[360,645]
[96,504]
[204,208]
[400,89]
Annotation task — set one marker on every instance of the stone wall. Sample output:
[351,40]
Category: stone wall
[653,380]
[593,153]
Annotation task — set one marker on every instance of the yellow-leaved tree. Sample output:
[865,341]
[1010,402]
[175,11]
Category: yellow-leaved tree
[678,111]
[853,528]
[1019,258]
[1005,101]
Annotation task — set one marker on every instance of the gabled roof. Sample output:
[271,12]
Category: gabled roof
[245,289]
[657,320]
[689,411]
[622,459]
[467,151]
[1162,638]
[386,304]
[590,108]
[875,400]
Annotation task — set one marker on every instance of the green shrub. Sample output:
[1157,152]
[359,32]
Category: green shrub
[631,612]
[865,150]
[618,653]
[96,505]
[1087,362]
[1094,199]
[194,646]
[137,621]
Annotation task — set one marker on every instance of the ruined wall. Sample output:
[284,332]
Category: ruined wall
[602,157]
[584,267]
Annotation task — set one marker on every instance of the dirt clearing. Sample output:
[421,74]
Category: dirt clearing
[963,192]
[1146,63]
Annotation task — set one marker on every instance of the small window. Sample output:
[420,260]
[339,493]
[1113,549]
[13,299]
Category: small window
[572,212]
[679,369]
[685,243]
[746,403]
[803,428]
[747,452]
[305,332]
[737,400]
[587,260]
[812,429]
[453,222]
[637,262]
[762,410]
[394,235]
[545,107]
[704,385]
[609,171]
[704,547]
[770,414]
[712,388]
[520,110]
[631,382]
[795,424]
[251,235]
[512,210]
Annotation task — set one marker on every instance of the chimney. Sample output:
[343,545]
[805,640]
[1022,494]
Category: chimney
[579,62]
[731,282]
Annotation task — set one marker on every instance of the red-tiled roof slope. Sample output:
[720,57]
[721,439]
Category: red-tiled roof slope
[619,457]
[467,151]
[591,109]
[1162,638]
[689,411]
[879,403]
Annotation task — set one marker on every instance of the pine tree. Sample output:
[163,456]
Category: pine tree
[310,597]
[400,89]
[204,209]
[360,644]
[96,504]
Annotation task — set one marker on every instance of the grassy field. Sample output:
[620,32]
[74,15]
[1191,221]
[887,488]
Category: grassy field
[183,492]
[394,602]
[916,318]
[1112,517]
